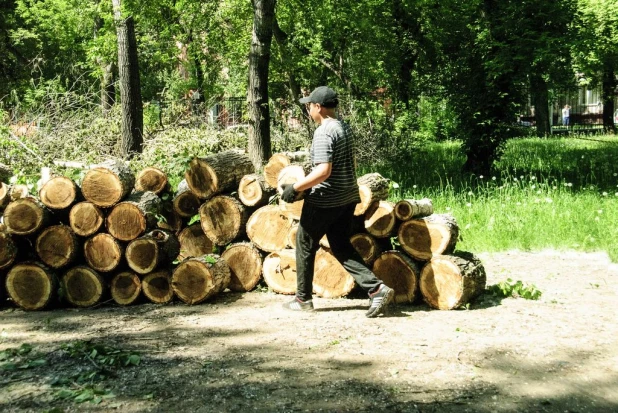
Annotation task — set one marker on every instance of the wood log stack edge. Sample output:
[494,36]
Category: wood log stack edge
[125,237]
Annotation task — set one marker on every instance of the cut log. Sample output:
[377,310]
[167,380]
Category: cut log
[268,228]
[218,173]
[253,191]
[5,173]
[82,286]
[223,219]
[132,217]
[451,281]
[151,179]
[368,247]
[193,242]
[31,285]
[330,279]
[18,191]
[57,246]
[103,252]
[25,216]
[279,271]
[154,250]
[429,236]
[8,250]
[197,279]
[407,209]
[58,193]
[372,188]
[4,195]
[245,262]
[290,175]
[85,219]
[157,287]
[125,288]
[185,202]
[399,272]
[279,161]
[291,240]
[380,220]
[108,183]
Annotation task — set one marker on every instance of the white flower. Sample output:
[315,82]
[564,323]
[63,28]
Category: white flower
[616,193]
[600,211]
[538,192]
[548,200]
[470,193]
[615,174]
[481,176]
[582,156]
[569,184]
[493,178]
[604,193]
[468,204]
[554,187]
[591,187]
[532,178]
[596,218]
[414,186]
[521,177]
[533,187]
[515,179]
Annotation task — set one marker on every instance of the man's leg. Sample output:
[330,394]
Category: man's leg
[311,228]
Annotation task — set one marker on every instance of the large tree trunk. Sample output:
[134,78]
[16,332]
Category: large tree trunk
[5,173]
[31,285]
[245,262]
[450,281]
[132,217]
[608,96]
[154,250]
[129,80]
[268,228]
[57,246]
[541,104]
[426,237]
[108,183]
[82,286]
[197,279]
[108,89]
[259,59]
[223,219]
[399,272]
[217,173]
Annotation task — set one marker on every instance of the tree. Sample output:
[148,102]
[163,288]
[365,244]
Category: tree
[129,80]
[259,60]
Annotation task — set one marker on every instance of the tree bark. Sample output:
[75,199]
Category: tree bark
[217,173]
[407,209]
[82,286]
[259,61]
[399,272]
[450,281]
[197,279]
[31,285]
[245,262]
[608,96]
[5,173]
[372,187]
[541,104]
[8,250]
[5,197]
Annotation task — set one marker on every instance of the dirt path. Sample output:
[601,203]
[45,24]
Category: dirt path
[243,353]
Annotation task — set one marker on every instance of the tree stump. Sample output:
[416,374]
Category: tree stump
[103,252]
[399,272]
[268,228]
[4,195]
[186,203]
[451,281]
[217,173]
[8,250]
[223,219]
[279,161]
[245,262]
[132,217]
[57,246]
[279,271]
[330,279]
[31,285]
[154,250]
[193,242]
[367,247]
[253,191]
[157,287]
[82,286]
[58,193]
[85,219]
[380,220]
[151,179]
[372,188]
[108,183]
[125,288]
[197,279]
[429,236]
[25,216]
[407,209]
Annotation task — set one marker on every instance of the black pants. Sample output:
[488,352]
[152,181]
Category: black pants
[336,223]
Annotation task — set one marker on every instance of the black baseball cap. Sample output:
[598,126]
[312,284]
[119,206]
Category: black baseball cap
[323,95]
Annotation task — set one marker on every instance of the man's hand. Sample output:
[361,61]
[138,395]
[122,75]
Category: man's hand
[289,193]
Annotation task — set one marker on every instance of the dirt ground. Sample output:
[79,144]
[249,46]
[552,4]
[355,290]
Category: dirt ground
[242,352]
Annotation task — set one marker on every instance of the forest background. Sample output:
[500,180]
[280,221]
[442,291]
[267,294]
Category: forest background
[432,89]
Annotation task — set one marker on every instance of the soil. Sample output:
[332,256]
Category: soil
[242,352]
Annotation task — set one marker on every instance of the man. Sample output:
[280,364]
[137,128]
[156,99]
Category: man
[566,114]
[332,194]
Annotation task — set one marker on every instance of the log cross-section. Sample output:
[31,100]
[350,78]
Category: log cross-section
[82,286]
[279,271]
[253,191]
[330,279]
[223,219]
[8,250]
[279,161]
[132,217]
[380,220]
[151,179]
[197,279]
[245,262]
[58,193]
[185,202]
[103,252]
[57,246]
[25,216]
[157,287]
[268,228]
[125,288]
[156,249]
[399,272]
[426,237]
[193,242]
[372,188]
[86,219]
[31,285]
[108,183]
[407,209]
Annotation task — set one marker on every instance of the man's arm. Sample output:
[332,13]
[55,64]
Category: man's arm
[318,175]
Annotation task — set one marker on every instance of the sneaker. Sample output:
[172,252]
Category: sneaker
[298,305]
[380,301]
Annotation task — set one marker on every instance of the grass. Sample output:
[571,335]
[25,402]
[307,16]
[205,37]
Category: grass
[545,193]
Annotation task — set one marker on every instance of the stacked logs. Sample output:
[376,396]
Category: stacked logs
[126,236]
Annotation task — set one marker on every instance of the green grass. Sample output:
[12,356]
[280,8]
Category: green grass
[545,193]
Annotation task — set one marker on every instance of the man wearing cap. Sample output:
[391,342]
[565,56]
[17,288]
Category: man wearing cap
[331,196]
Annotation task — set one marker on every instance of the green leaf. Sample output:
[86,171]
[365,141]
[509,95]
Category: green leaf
[134,359]
[194,219]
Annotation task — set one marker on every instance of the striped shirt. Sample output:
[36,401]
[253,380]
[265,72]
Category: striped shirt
[333,142]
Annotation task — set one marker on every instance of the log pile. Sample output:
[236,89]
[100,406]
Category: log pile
[122,237]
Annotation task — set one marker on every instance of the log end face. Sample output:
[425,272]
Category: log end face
[125,288]
[126,222]
[30,286]
[151,179]
[58,193]
[102,187]
[82,286]
[85,219]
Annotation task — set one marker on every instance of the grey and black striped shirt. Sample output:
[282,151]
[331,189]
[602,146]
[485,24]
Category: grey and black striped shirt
[333,142]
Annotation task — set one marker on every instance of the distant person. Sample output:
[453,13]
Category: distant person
[332,195]
[566,115]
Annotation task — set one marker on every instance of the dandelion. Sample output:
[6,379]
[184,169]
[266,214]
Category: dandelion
[468,204]
[521,177]
[470,193]
[591,187]
[596,218]
[569,184]
[600,211]
[533,187]
[414,186]
[515,179]
[604,193]
[616,193]
[493,178]
[582,156]
[548,200]
[532,178]
[554,187]
[538,192]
